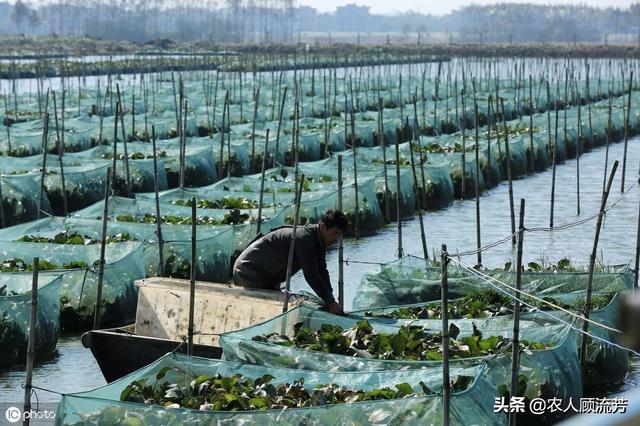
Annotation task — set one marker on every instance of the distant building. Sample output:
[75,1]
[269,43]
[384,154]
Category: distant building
[352,17]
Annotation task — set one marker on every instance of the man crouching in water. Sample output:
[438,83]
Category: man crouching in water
[263,264]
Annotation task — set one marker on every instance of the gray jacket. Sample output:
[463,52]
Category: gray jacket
[263,264]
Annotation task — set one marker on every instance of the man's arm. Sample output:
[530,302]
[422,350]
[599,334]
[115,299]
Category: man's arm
[310,260]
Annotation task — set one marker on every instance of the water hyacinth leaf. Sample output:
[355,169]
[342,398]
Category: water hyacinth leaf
[405,388]
[398,344]
[535,267]
[160,375]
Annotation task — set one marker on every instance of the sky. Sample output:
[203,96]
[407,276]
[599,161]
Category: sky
[443,7]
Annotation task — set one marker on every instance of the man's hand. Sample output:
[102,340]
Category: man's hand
[335,308]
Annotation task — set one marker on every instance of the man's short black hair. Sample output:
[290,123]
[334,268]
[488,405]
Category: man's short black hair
[335,219]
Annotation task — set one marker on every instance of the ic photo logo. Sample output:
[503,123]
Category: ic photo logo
[13,414]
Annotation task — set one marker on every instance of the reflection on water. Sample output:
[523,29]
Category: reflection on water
[74,368]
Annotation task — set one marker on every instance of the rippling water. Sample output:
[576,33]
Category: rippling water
[73,369]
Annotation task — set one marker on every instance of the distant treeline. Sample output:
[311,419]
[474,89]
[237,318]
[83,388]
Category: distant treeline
[281,20]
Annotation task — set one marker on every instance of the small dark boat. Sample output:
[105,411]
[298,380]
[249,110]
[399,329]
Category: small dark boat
[119,351]
[161,325]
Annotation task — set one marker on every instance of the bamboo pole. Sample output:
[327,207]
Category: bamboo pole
[398,201]
[477,181]
[2,219]
[31,344]
[444,289]
[340,241]
[636,271]
[509,176]
[553,161]
[464,147]
[420,157]
[578,153]
[284,98]
[532,156]
[383,144]
[253,130]
[103,244]
[183,142]
[515,344]
[192,282]
[606,152]
[115,149]
[262,172]
[65,205]
[292,245]
[157,199]
[418,192]
[125,158]
[592,263]
[45,139]
[8,127]
[224,110]
[488,175]
[626,133]
[354,149]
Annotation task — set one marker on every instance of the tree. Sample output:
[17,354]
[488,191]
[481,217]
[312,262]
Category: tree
[22,14]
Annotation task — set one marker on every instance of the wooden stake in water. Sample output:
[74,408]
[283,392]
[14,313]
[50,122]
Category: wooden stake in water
[464,147]
[125,156]
[103,244]
[284,98]
[115,148]
[157,198]
[356,216]
[31,345]
[222,129]
[45,139]
[398,196]
[192,282]
[592,263]
[264,167]
[383,144]
[532,156]
[477,149]
[418,192]
[626,133]
[636,272]
[515,345]
[606,151]
[340,241]
[65,207]
[183,143]
[444,296]
[508,155]
[253,130]
[553,161]
[292,245]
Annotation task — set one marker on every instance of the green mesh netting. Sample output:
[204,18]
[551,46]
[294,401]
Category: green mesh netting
[410,280]
[15,311]
[103,405]
[78,266]
[553,372]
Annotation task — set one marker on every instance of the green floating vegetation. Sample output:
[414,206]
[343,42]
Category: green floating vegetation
[75,239]
[233,217]
[226,202]
[411,343]
[239,393]
[19,265]
[488,303]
